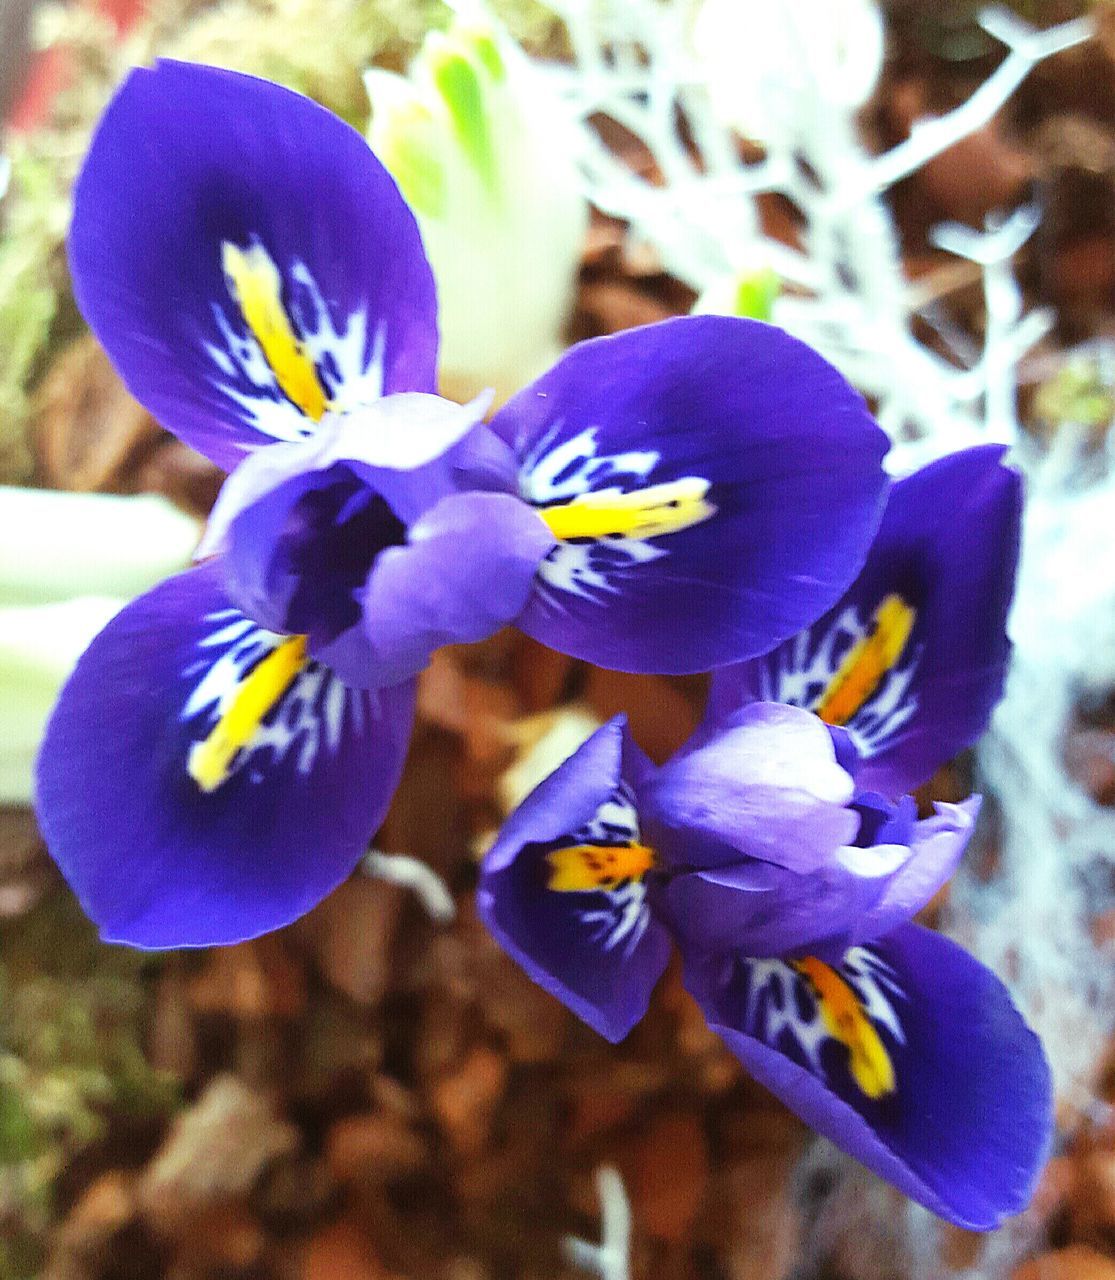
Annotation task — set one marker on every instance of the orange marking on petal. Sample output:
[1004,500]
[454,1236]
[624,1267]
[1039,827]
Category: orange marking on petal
[584,867]
[869,660]
[845,1020]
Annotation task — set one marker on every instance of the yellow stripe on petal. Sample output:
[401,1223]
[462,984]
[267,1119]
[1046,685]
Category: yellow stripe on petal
[868,661]
[210,760]
[642,513]
[255,283]
[845,1020]
[584,867]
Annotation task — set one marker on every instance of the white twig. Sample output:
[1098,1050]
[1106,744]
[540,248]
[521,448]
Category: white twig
[930,137]
[635,61]
[411,873]
[611,1258]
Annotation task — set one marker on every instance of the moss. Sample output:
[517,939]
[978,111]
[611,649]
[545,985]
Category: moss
[74,1013]
[29,281]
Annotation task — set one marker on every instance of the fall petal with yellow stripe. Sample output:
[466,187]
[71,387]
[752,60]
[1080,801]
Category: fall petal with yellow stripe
[788,891]
[911,660]
[225,784]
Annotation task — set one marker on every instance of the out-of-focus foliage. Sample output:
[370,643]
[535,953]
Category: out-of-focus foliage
[31,232]
[68,562]
[749,293]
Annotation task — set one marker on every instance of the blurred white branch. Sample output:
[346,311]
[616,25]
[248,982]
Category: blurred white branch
[611,1258]
[412,873]
[793,78]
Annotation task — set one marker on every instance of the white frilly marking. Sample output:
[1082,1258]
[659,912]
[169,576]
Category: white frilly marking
[872,980]
[351,375]
[560,473]
[799,671]
[624,918]
[309,717]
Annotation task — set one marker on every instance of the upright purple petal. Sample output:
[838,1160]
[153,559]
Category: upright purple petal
[202,781]
[912,660]
[937,844]
[908,1054]
[309,531]
[713,485]
[766,786]
[465,571]
[563,889]
[245,260]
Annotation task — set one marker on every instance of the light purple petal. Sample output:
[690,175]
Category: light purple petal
[936,847]
[160,858]
[766,910]
[389,444]
[196,174]
[466,571]
[966,1124]
[301,527]
[766,786]
[765,470]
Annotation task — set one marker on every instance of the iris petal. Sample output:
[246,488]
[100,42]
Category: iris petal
[766,786]
[912,659]
[202,781]
[301,525]
[908,1054]
[563,888]
[466,571]
[246,261]
[769,911]
[713,485]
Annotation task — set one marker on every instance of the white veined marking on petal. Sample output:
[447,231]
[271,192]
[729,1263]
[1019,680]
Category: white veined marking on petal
[333,709]
[767,1021]
[311,714]
[625,918]
[550,474]
[226,635]
[872,980]
[577,567]
[795,672]
[351,375]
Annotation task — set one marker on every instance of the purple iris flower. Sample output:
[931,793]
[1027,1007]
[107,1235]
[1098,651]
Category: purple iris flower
[776,852]
[671,499]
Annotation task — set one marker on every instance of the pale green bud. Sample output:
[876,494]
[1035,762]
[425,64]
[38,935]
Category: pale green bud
[750,294]
[482,152]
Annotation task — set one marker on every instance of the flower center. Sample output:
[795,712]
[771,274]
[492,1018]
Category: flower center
[333,537]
